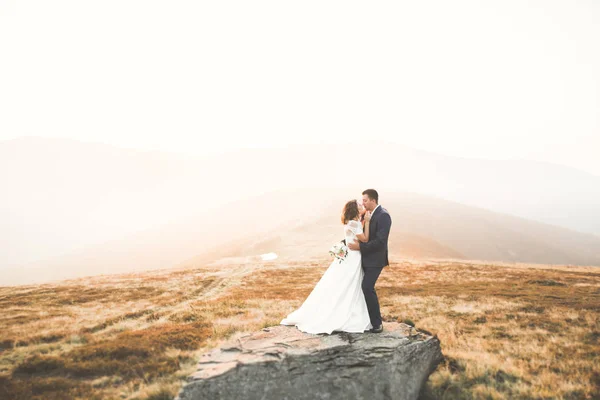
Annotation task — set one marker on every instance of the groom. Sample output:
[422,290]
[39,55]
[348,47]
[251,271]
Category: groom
[374,254]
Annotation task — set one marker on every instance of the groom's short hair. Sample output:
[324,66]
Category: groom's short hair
[372,193]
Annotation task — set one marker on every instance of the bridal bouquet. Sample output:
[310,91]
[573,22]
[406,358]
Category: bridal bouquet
[339,250]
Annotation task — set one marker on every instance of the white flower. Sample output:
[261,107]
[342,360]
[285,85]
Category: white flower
[339,251]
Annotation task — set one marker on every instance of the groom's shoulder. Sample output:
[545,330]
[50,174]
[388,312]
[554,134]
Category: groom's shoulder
[385,211]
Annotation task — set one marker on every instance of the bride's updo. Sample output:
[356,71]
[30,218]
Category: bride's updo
[350,211]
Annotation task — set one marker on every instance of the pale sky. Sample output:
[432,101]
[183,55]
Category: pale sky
[494,79]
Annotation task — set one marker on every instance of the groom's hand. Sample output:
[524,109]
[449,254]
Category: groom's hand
[354,245]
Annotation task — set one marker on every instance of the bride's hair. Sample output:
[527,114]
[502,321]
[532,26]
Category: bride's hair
[350,211]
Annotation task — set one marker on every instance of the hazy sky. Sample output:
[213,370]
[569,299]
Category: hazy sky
[493,79]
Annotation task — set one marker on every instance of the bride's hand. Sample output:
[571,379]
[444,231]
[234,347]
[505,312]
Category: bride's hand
[354,245]
[367,216]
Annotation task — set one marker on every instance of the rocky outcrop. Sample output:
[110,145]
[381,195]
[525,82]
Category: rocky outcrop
[281,362]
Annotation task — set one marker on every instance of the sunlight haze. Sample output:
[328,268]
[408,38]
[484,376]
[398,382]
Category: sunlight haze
[496,80]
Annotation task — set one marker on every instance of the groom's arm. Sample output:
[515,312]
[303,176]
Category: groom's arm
[381,235]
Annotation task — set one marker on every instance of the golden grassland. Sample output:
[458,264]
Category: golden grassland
[507,331]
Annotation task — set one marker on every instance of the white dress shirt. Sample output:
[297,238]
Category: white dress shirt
[374,209]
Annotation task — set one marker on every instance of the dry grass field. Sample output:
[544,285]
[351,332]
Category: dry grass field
[507,331]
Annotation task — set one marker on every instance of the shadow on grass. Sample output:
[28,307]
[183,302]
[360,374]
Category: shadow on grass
[458,385]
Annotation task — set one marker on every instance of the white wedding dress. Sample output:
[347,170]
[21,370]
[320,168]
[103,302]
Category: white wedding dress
[337,302]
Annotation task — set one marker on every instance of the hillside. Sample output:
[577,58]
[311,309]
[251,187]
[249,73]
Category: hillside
[507,330]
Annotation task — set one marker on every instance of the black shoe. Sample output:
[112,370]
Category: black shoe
[378,329]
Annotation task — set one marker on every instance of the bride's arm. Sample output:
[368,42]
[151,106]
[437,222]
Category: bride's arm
[364,237]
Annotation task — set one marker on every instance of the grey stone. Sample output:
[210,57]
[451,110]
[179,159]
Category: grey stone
[281,362]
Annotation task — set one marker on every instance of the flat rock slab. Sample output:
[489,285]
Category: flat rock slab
[281,362]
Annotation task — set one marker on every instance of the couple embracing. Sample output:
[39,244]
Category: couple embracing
[344,299]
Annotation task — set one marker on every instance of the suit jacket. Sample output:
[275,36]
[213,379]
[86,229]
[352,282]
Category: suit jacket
[375,251]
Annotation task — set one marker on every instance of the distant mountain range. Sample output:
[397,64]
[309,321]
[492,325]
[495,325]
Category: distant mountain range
[63,197]
[427,227]
[286,224]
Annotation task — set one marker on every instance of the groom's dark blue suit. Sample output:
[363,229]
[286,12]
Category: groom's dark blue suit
[374,255]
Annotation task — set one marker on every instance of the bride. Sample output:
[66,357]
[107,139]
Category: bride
[337,302]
